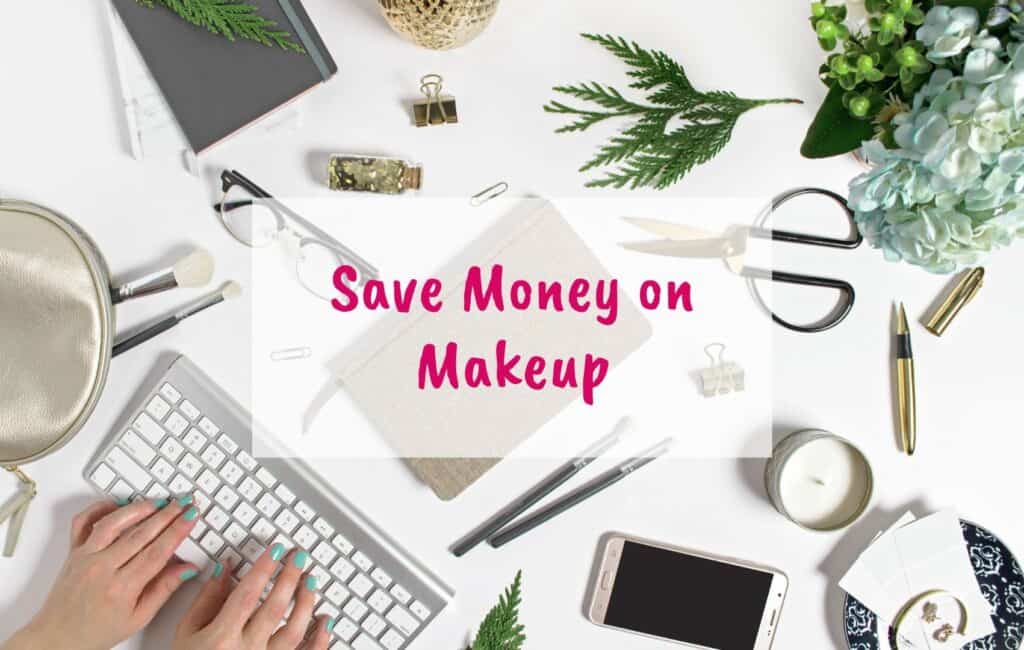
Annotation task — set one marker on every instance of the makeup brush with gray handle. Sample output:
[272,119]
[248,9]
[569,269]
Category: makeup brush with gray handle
[193,270]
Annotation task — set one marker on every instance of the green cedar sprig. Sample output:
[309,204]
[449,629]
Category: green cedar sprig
[501,629]
[649,153]
[230,19]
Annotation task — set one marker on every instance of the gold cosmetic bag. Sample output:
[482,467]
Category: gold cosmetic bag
[56,337]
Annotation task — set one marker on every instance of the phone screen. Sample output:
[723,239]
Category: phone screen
[686,598]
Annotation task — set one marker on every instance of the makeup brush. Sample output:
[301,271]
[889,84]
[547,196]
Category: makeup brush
[229,291]
[193,270]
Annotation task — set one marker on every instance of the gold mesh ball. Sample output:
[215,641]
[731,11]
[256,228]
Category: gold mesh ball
[439,24]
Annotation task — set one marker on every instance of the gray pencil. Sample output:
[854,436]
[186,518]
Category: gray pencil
[579,495]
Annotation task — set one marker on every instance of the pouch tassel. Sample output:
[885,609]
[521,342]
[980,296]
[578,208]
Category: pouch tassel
[16,508]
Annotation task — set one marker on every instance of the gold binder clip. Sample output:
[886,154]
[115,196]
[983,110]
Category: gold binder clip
[435,109]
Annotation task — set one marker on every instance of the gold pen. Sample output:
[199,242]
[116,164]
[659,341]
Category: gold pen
[906,398]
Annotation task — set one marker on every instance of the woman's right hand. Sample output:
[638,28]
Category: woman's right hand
[226,618]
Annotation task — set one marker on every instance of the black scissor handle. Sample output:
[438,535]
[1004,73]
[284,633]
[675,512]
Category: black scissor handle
[804,238]
[841,310]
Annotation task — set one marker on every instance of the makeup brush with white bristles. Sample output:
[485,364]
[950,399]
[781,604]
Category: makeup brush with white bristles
[193,270]
[227,292]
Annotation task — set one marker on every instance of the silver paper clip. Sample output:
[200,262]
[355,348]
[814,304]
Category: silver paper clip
[290,354]
[721,376]
[488,193]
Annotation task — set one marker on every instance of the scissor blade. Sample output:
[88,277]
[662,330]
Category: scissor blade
[668,229]
[714,247]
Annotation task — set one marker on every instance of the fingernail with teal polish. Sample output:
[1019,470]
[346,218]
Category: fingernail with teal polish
[277,552]
[330,624]
[185,500]
[188,574]
[160,503]
[300,559]
[311,583]
[122,501]
[218,569]
[191,513]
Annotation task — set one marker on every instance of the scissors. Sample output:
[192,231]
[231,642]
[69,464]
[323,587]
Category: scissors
[679,240]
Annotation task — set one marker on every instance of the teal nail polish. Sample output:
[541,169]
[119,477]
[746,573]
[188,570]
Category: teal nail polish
[187,575]
[122,501]
[218,569]
[330,624]
[160,503]
[277,552]
[191,513]
[185,500]
[300,559]
[311,583]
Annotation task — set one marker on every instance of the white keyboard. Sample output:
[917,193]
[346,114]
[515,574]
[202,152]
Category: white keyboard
[185,436]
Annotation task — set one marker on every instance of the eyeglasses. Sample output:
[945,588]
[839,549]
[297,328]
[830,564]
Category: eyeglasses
[257,219]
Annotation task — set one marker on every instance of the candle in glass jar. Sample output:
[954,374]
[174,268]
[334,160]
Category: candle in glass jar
[818,480]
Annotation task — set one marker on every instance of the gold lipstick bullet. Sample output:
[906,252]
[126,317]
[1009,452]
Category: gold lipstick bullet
[905,394]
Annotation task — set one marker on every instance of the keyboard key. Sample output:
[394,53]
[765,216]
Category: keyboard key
[327,609]
[171,449]
[208,481]
[402,621]
[231,473]
[137,448]
[380,601]
[252,550]
[245,514]
[217,518]
[265,477]
[343,569]
[162,470]
[323,553]
[170,393]
[400,594]
[361,585]
[284,494]
[247,461]
[374,625]
[213,456]
[149,429]
[242,570]
[268,505]
[420,610]
[264,531]
[180,485]
[345,629]
[306,538]
[226,497]
[381,577]
[322,577]
[227,443]
[176,424]
[364,642]
[201,501]
[356,610]
[336,594]
[250,489]
[194,440]
[235,534]
[157,491]
[363,561]
[189,409]
[305,511]
[287,521]
[198,530]
[285,542]
[392,640]
[102,476]
[128,469]
[212,543]
[208,427]
[230,558]
[190,466]
[121,490]
[322,527]
[342,544]
[189,551]
[158,408]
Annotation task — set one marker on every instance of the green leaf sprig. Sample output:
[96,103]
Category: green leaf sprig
[679,129]
[501,629]
[230,19]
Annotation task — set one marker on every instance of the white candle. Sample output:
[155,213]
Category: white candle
[823,482]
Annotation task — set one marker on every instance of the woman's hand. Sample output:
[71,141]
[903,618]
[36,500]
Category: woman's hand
[223,618]
[119,572]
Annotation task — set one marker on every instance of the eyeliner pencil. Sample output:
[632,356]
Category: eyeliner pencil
[579,495]
[557,478]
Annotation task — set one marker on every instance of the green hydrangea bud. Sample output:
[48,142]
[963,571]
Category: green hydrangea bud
[860,105]
[817,9]
[826,29]
[865,64]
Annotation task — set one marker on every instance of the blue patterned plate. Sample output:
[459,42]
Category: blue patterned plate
[1001,581]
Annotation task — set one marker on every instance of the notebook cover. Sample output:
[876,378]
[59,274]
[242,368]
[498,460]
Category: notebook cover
[215,86]
[451,437]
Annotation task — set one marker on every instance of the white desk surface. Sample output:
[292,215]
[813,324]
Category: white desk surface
[62,143]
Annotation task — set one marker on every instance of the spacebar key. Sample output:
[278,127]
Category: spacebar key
[189,551]
[365,643]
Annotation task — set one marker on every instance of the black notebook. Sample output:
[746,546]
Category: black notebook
[216,87]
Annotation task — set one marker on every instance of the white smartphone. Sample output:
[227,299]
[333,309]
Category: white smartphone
[696,600]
